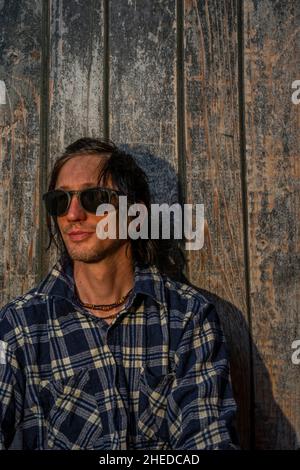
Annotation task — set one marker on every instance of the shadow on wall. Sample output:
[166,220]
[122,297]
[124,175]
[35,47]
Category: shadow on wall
[272,431]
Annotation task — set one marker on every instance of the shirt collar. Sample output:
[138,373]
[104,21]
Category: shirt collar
[60,281]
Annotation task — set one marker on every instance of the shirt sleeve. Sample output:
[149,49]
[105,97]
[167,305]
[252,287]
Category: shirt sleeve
[11,395]
[201,409]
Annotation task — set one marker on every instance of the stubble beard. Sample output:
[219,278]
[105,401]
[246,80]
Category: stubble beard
[86,257]
[93,254]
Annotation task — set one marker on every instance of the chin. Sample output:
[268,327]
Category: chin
[86,256]
[94,254]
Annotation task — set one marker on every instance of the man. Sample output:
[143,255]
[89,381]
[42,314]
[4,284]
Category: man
[110,351]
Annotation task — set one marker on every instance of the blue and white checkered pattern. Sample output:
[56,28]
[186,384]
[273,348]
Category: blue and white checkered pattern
[157,377]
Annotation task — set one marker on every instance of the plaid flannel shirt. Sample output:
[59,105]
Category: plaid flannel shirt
[157,377]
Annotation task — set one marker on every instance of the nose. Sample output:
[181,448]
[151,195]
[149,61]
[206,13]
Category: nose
[75,212]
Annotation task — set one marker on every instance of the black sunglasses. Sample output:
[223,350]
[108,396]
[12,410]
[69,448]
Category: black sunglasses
[58,201]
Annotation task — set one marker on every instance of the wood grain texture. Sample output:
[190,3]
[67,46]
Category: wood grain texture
[199,90]
[20,69]
[272,37]
[213,169]
[76,76]
[142,89]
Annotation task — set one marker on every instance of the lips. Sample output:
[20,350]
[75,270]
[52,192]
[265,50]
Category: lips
[79,235]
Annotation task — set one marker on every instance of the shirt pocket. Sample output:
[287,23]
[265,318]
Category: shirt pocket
[71,412]
[154,392]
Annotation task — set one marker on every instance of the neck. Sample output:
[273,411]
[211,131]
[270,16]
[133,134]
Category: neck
[105,281]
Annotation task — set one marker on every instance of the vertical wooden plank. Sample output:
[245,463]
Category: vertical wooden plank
[213,173]
[76,75]
[20,70]
[142,87]
[271,37]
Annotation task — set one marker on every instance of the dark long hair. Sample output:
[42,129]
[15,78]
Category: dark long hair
[129,178]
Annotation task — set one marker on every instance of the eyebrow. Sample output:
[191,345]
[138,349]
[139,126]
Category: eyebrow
[85,185]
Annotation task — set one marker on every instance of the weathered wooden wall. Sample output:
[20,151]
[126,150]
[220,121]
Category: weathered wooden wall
[202,91]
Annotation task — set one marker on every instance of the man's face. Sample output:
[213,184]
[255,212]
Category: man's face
[81,172]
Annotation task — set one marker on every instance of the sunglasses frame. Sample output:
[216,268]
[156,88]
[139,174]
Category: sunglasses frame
[78,193]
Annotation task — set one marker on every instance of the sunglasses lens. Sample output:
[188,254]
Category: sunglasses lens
[56,202]
[92,198]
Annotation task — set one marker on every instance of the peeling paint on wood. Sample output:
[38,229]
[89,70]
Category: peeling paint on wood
[143,77]
[214,177]
[271,37]
[19,161]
